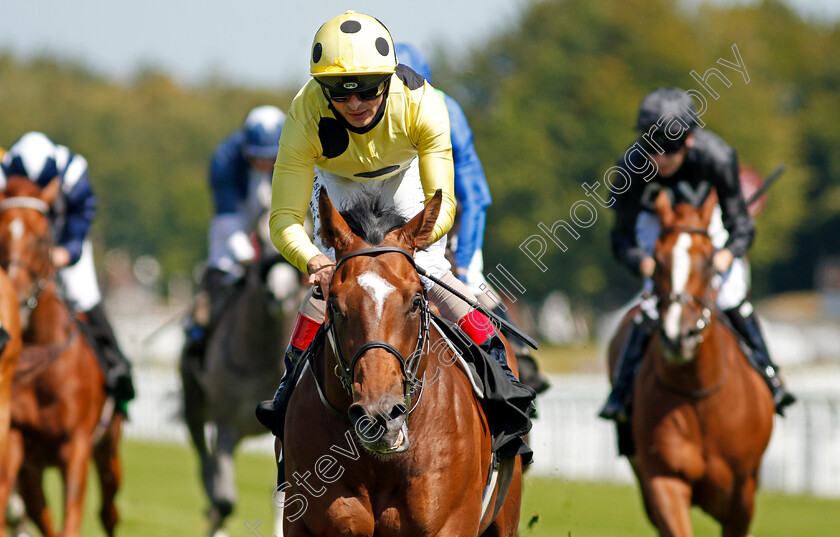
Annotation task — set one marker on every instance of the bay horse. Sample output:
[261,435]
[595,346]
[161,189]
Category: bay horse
[702,416]
[243,356]
[58,392]
[424,467]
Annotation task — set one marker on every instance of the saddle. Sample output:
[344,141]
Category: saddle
[507,405]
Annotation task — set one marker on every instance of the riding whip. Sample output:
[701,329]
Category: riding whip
[772,178]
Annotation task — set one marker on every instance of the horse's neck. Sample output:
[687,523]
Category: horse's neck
[708,368]
[50,321]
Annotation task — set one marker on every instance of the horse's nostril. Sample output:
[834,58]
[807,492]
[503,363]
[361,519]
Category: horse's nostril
[356,412]
[396,412]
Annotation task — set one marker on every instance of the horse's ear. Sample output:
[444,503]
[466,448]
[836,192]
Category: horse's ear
[708,208]
[416,232]
[334,229]
[49,193]
[664,209]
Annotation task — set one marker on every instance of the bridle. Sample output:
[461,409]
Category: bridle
[40,278]
[344,370]
[684,297]
[703,321]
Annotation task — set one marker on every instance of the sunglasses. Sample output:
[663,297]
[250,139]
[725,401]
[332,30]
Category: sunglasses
[365,95]
[667,145]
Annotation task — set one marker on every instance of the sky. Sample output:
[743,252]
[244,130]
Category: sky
[252,42]
[262,43]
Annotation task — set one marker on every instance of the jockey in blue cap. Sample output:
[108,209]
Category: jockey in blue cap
[240,179]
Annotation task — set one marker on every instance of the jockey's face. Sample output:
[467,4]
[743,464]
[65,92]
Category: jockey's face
[262,164]
[357,111]
[667,164]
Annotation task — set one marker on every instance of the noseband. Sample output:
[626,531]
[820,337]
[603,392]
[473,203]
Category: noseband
[344,371]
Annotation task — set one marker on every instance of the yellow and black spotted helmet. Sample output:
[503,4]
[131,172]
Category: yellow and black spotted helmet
[351,53]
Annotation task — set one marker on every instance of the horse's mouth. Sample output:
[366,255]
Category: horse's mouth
[394,442]
[682,350]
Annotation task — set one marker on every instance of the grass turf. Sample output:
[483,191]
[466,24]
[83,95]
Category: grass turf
[161,497]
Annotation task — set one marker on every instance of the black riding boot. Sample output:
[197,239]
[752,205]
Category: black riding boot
[618,403]
[4,339]
[272,412]
[118,380]
[529,372]
[748,328]
[215,289]
[496,348]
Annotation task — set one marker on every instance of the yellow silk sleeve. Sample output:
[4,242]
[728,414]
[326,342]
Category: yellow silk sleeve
[291,191]
[434,150]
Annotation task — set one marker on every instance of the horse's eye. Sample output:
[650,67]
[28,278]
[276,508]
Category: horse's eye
[334,310]
[415,305]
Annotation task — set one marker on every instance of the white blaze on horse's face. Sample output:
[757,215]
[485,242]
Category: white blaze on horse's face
[378,288]
[16,228]
[680,270]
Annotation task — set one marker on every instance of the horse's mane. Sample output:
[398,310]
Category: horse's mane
[369,217]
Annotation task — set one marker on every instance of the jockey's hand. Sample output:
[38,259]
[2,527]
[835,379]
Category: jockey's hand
[321,270]
[722,260]
[59,256]
[647,266]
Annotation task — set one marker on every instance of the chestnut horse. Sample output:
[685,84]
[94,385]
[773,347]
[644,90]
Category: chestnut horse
[702,416]
[10,345]
[58,392]
[424,467]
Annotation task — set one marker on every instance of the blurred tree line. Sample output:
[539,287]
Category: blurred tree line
[148,144]
[552,100]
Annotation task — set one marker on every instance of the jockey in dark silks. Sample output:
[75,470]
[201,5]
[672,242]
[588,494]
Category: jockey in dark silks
[240,180]
[364,123]
[36,157]
[473,195]
[674,155]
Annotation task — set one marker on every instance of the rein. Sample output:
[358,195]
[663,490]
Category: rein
[344,370]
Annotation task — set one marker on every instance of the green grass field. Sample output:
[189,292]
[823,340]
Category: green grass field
[161,498]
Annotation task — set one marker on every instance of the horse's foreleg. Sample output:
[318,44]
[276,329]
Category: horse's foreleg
[224,489]
[737,524]
[9,467]
[670,499]
[106,457]
[74,468]
[30,486]
[193,400]
[634,465]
